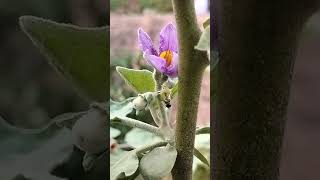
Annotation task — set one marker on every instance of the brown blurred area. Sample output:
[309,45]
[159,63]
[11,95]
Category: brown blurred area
[31,92]
[301,158]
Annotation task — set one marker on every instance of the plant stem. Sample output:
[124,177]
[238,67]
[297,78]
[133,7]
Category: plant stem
[163,113]
[150,147]
[257,43]
[192,64]
[159,107]
[138,124]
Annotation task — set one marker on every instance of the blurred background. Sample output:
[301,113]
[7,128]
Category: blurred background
[301,159]
[31,92]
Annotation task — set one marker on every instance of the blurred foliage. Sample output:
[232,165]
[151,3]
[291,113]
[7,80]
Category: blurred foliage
[31,92]
[140,5]
[79,54]
[24,150]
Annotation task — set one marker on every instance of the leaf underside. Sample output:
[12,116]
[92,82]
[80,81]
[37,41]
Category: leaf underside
[126,166]
[201,157]
[159,162]
[121,109]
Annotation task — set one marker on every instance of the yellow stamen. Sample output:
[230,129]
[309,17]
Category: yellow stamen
[167,55]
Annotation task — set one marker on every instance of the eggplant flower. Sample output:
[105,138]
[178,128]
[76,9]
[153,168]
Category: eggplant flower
[166,60]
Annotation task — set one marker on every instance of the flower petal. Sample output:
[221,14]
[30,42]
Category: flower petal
[168,39]
[155,61]
[172,70]
[145,42]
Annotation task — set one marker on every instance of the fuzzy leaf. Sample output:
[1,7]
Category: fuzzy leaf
[198,154]
[114,132]
[121,109]
[140,80]
[80,54]
[204,42]
[125,166]
[116,155]
[89,132]
[158,162]
[138,138]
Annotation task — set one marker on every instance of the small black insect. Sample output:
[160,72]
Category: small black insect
[168,105]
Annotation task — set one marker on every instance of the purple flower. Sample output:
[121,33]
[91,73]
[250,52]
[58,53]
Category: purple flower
[166,61]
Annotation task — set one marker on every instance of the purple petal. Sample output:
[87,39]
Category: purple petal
[145,42]
[155,61]
[168,39]
[172,70]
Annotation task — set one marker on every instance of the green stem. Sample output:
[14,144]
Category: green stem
[192,64]
[138,124]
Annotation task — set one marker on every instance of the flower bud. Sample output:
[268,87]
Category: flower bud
[139,103]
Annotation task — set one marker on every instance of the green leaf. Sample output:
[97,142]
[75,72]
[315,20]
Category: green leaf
[121,109]
[114,132]
[125,166]
[138,138]
[198,154]
[204,42]
[206,23]
[200,169]
[158,162]
[140,80]
[203,130]
[80,54]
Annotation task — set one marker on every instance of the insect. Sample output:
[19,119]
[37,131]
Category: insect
[165,95]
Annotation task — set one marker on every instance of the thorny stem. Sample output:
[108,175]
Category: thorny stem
[192,64]
[138,124]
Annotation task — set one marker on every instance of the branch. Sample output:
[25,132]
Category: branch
[137,124]
[144,149]
[191,67]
